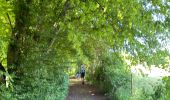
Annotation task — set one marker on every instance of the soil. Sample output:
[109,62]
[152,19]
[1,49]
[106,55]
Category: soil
[78,91]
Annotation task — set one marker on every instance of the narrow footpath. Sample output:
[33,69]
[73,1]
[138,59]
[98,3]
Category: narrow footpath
[77,91]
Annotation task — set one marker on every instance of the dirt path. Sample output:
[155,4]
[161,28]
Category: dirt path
[78,91]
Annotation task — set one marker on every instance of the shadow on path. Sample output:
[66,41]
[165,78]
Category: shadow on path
[77,91]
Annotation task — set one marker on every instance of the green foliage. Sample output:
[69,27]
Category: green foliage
[113,76]
[6,25]
[6,94]
[167,81]
[37,55]
[148,88]
[117,77]
[47,34]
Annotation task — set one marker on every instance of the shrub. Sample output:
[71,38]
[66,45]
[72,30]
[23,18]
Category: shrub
[167,81]
[115,78]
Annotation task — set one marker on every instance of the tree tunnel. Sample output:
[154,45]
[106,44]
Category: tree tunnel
[41,40]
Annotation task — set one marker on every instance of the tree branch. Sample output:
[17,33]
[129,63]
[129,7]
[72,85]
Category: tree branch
[53,41]
[10,23]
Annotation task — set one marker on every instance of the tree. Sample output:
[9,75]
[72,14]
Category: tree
[49,33]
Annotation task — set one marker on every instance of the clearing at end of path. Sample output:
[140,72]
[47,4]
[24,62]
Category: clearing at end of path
[77,91]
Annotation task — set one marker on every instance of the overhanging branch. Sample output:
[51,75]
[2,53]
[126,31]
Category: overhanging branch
[10,23]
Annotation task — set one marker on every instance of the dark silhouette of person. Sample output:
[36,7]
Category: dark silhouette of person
[82,71]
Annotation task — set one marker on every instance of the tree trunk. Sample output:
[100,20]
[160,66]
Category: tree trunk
[16,46]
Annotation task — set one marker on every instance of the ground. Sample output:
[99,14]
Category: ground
[77,91]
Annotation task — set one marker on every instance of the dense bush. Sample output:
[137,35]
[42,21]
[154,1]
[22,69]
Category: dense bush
[117,76]
[114,77]
[149,88]
[53,88]
[39,77]
[167,82]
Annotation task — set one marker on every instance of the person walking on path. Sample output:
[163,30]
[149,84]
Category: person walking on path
[82,71]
